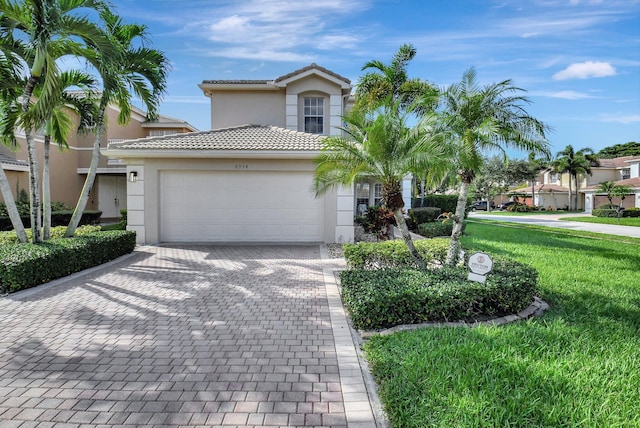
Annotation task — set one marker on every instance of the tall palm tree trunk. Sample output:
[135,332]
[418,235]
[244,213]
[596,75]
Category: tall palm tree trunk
[406,237]
[458,221]
[34,186]
[46,191]
[91,177]
[12,209]
[570,193]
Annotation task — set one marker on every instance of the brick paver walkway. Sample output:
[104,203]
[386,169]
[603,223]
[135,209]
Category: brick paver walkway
[183,336]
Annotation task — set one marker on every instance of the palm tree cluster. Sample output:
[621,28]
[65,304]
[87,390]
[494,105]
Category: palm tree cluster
[455,128]
[35,37]
[575,163]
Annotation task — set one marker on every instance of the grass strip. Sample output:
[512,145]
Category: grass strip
[579,365]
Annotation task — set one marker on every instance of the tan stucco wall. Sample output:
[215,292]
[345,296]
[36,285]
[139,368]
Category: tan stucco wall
[143,196]
[233,108]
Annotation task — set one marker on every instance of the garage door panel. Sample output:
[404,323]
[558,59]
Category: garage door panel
[239,206]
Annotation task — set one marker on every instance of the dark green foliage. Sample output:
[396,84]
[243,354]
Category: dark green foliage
[121,225]
[424,215]
[631,212]
[631,148]
[385,298]
[438,228]
[58,218]
[604,212]
[447,203]
[27,265]
[387,254]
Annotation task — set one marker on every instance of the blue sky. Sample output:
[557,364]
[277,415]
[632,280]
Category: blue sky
[579,60]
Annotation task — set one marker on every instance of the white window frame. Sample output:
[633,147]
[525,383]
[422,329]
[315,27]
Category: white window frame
[313,108]
[625,173]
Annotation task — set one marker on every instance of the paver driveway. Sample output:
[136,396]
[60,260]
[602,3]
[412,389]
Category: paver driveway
[184,336]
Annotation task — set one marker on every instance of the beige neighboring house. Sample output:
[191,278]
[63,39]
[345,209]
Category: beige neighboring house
[250,178]
[623,171]
[552,189]
[69,167]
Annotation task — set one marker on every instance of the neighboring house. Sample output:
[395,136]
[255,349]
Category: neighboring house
[69,167]
[552,189]
[249,179]
[623,171]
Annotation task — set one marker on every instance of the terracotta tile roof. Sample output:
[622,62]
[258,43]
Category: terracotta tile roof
[310,67]
[7,160]
[545,188]
[245,137]
[236,82]
[633,182]
[620,162]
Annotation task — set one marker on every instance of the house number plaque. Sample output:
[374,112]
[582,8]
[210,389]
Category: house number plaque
[242,166]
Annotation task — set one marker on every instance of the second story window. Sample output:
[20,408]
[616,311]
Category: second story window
[626,173]
[314,115]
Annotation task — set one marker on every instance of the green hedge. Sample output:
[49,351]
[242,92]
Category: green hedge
[377,299]
[603,212]
[631,212]
[387,254]
[58,218]
[10,237]
[447,203]
[438,228]
[27,265]
[424,215]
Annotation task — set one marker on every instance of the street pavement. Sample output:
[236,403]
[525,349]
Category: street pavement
[556,220]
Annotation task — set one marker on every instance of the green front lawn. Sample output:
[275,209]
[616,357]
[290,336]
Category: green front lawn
[625,221]
[579,365]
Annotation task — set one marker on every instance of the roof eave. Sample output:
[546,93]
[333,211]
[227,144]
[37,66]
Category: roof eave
[208,154]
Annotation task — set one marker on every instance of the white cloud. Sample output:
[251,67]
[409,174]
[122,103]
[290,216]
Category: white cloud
[566,95]
[585,70]
[621,118]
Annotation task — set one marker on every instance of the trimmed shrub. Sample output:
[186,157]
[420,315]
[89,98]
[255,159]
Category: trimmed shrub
[447,203]
[612,213]
[424,215]
[438,228]
[519,208]
[58,218]
[389,297]
[27,265]
[631,212]
[387,254]
[10,237]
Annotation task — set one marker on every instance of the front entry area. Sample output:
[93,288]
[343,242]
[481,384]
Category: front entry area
[112,195]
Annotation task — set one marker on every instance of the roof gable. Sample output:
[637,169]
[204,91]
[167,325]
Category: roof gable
[314,70]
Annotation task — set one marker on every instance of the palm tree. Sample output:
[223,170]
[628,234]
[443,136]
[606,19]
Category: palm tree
[47,29]
[382,148]
[484,119]
[10,85]
[390,83]
[136,69]
[59,126]
[609,189]
[574,163]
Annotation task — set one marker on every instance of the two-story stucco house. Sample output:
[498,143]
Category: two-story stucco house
[69,167]
[250,178]
[552,188]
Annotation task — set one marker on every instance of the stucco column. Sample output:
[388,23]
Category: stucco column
[406,192]
[135,202]
[291,111]
[335,109]
[344,214]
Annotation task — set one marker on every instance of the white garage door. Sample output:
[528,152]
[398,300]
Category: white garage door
[239,206]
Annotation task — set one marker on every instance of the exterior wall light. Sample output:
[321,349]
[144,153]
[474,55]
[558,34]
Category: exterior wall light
[133,176]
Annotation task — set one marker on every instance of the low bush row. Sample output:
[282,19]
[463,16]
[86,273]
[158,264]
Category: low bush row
[377,299]
[10,237]
[387,254]
[58,218]
[613,213]
[424,215]
[27,265]
[435,229]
